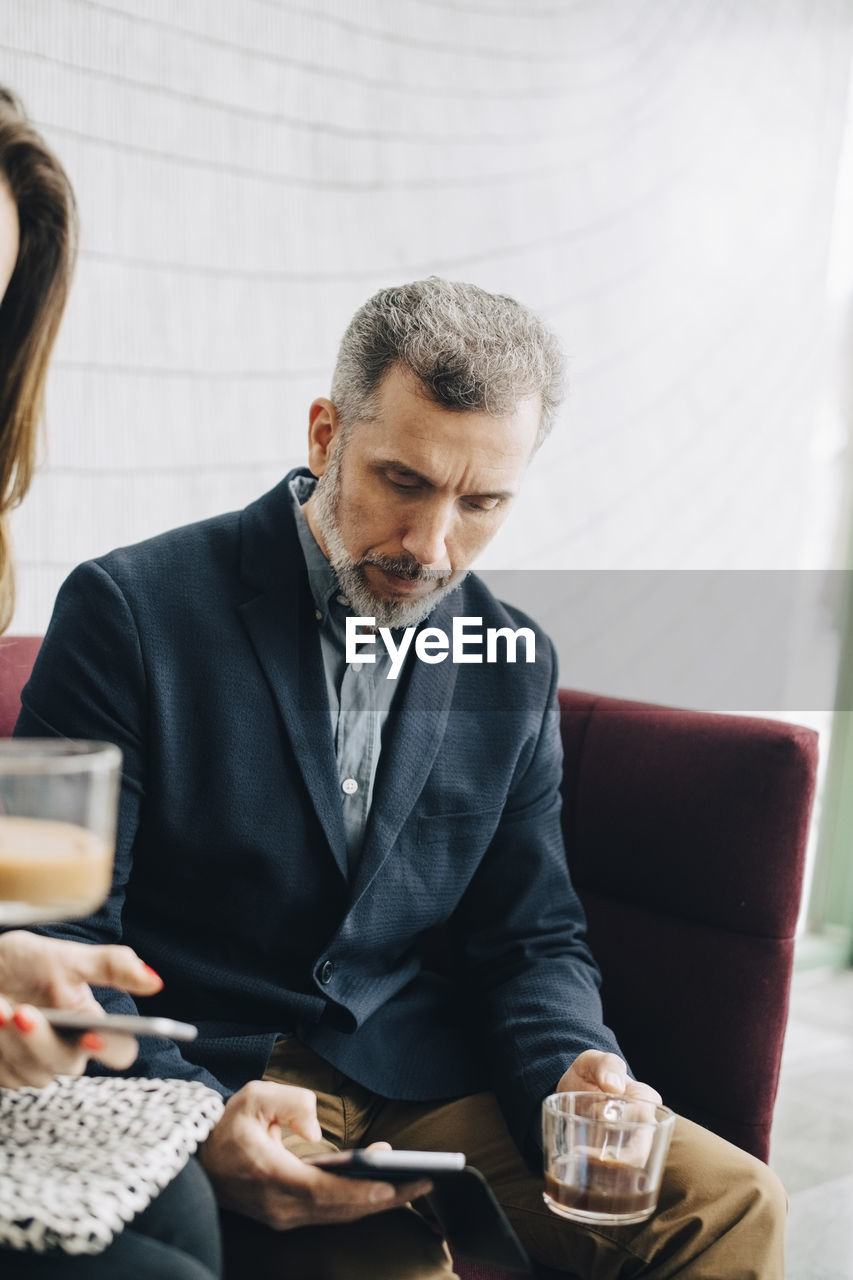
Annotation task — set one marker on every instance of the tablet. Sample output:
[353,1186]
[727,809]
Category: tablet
[473,1223]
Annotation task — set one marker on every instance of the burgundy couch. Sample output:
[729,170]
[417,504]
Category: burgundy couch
[686,837]
[17,655]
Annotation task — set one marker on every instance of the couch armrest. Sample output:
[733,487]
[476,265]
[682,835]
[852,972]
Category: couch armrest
[686,834]
[17,655]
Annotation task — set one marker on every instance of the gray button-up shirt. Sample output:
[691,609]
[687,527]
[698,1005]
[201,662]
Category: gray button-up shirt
[360,695]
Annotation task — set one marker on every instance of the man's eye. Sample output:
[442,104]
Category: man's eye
[481,504]
[403,483]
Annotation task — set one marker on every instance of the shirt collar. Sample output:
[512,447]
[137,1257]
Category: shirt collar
[324,583]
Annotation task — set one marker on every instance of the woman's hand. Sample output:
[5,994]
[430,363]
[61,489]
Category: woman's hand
[51,973]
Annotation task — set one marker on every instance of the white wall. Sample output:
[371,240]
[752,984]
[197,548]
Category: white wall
[656,176]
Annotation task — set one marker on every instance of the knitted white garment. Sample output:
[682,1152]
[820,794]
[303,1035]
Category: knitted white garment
[81,1157]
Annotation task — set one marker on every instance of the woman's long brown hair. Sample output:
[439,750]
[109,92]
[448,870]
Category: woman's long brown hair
[31,310]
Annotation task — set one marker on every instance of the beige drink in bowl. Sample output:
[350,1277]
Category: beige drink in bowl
[58,805]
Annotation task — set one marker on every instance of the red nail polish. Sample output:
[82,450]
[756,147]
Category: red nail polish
[23,1021]
[153,972]
[91,1040]
[2,1018]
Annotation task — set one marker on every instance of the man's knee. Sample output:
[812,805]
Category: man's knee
[769,1198]
[704,1168]
[721,1214]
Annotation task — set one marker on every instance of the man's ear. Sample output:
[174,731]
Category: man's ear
[323,430]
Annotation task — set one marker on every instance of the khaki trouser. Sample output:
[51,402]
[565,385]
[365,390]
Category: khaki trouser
[720,1216]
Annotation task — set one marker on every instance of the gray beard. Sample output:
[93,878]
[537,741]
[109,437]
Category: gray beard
[350,572]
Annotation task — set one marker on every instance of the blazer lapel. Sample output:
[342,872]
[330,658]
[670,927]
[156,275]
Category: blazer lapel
[415,733]
[281,625]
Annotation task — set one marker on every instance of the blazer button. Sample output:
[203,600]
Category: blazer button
[326,971]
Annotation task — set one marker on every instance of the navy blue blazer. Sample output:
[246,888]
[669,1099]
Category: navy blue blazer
[197,653]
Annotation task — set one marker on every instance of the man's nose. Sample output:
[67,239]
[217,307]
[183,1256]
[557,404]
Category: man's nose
[426,537]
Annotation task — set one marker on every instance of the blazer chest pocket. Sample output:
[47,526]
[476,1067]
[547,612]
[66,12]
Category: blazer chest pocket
[462,836]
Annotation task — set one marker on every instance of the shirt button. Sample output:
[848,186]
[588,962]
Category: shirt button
[349,786]
[326,971]
[318,614]
[343,600]
[356,666]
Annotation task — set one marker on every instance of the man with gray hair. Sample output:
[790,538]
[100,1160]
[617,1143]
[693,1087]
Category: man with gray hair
[323,764]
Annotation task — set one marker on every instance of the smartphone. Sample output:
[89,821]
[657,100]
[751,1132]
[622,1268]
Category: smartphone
[470,1217]
[131,1024]
[389,1166]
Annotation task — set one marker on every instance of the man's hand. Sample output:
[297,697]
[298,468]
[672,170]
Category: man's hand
[254,1174]
[56,974]
[606,1072]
